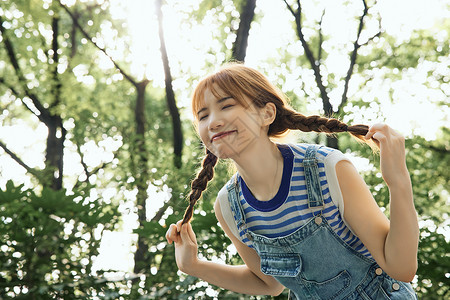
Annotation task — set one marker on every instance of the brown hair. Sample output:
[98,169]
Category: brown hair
[240,81]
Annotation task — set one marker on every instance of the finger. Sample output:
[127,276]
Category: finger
[179,224]
[185,236]
[374,128]
[369,133]
[379,136]
[191,233]
[172,235]
[168,232]
[169,240]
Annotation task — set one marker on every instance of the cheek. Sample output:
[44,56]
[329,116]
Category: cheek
[203,133]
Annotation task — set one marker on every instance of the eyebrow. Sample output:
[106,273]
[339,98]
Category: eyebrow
[218,102]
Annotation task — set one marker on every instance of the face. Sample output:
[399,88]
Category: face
[227,127]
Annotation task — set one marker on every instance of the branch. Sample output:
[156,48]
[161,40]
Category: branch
[13,90]
[98,168]
[85,167]
[161,211]
[20,162]
[17,94]
[290,8]
[328,109]
[353,56]
[89,38]
[44,115]
[89,174]
[319,54]
[374,36]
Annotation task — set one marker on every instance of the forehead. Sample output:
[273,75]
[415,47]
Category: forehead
[208,94]
[214,88]
[212,94]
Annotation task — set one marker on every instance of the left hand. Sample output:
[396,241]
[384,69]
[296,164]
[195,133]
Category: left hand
[186,246]
[392,152]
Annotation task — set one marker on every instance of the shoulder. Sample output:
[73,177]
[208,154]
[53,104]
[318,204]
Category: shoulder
[328,161]
[222,198]
[223,211]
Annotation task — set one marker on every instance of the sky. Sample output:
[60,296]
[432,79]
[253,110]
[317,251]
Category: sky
[399,18]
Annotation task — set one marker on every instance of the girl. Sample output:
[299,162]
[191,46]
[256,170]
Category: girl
[300,216]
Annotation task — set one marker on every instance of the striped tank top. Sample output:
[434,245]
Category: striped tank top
[289,210]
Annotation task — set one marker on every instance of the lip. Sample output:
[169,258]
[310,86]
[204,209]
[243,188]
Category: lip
[222,134]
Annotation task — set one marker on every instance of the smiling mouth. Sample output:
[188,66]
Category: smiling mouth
[220,135]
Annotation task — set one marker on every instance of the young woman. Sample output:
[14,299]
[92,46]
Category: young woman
[299,215]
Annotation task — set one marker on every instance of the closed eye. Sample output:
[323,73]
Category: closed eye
[227,106]
[202,117]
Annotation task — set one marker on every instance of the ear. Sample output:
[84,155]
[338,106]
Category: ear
[269,113]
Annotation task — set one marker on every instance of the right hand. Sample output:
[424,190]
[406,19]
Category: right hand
[186,247]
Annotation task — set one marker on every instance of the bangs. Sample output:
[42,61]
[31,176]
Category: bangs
[221,84]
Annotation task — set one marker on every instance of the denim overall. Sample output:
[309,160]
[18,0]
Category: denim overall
[314,262]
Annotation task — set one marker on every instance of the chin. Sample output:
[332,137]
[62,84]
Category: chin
[222,152]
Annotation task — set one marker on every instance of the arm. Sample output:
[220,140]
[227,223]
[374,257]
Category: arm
[247,279]
[393,244]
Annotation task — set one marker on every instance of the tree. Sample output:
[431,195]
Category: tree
[170,96]
[43,106]
[140,148]
[53,250]
[315,60]
[247,11]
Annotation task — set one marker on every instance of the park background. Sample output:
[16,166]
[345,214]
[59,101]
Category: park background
[97,147]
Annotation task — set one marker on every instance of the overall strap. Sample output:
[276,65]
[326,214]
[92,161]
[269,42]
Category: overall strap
[236,207]
[315,197]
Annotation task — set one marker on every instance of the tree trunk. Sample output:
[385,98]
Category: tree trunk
[246,17]
[170,95]
[56,132]
[54,152]
[141,173]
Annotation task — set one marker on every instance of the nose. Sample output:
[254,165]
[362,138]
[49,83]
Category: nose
[215,122]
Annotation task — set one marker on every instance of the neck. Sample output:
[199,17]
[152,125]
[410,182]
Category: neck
[261,167]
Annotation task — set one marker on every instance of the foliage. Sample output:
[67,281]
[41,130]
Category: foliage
[51,240]
[427,163]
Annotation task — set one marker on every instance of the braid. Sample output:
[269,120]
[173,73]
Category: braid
[199,184]
[290,119]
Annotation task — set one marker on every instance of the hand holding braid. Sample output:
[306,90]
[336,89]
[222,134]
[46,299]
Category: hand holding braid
[199,184]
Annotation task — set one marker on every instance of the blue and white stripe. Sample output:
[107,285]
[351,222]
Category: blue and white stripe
[294,212]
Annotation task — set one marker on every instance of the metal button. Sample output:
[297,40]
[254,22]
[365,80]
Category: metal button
[378,271]
[318,220]
[395,286]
